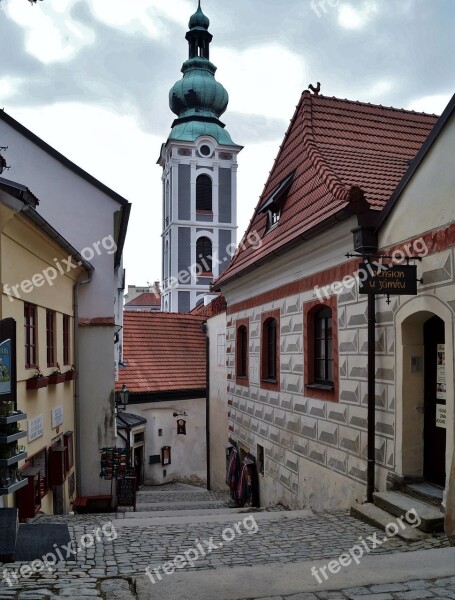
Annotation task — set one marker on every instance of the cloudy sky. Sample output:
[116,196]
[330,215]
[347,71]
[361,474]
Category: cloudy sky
[91,77]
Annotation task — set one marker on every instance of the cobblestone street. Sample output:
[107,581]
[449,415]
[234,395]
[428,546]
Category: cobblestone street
[173,519]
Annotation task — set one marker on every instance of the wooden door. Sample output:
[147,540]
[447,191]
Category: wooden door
[435,401]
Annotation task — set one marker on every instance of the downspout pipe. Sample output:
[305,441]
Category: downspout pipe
[204,329]
[77,406]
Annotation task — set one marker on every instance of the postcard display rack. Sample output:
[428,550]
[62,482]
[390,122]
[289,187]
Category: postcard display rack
[11,453]
[113,463]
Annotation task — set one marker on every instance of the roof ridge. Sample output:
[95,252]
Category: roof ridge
[328,175]
[360,102]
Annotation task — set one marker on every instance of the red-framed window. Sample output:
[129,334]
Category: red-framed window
[31,327]
[270,350]
[321,349]
[50,338]
[241,352]
[66,340]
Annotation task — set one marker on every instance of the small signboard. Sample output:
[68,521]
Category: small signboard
[441,416]
[377,278]
[57,416]
[35,428]
[126,492]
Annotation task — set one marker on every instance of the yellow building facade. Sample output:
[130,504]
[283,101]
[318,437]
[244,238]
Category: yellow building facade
[38,274]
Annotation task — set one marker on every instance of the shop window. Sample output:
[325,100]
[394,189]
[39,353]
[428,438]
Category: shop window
[66,340]
[204,194]
[241,352]
[39,461]
[321,350]
[204,255]
[50,338]
[30,326]
[260,459]
[270,350]
[69,450]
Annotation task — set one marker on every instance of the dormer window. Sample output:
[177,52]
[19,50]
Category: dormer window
[275,202]
[273,217]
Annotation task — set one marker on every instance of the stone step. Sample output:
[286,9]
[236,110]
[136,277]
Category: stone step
[9,525]
[373,515]
[398,504]
[427,492]
[177,506]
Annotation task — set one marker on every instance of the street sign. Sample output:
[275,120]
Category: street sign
[377,278]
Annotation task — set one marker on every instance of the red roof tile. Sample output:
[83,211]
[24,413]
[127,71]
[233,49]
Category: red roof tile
[96,321]
[333,146]
[162,352]
[145,299]
[216,307]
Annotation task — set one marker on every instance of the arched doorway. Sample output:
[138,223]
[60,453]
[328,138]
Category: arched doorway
[424,392]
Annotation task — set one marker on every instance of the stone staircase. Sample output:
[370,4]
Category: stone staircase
[180,500]
[416,509]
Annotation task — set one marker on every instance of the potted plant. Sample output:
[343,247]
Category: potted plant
[56,376]
[71,375]
[37,381]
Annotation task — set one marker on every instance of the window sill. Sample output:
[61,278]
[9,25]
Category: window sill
[320,386]
[205,275]
[270,380]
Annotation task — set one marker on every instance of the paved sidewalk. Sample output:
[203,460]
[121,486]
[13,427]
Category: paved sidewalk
[270,543]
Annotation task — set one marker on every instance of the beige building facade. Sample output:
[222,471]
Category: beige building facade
[43,311]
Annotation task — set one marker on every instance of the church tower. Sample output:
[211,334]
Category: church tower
[199,163]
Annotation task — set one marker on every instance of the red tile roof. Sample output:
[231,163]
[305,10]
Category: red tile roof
[334,147]
[162,352]
[96,321]
[216,307]
[145,299]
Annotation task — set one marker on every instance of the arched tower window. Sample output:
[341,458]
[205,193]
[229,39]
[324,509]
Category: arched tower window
[204,193]
[204,254]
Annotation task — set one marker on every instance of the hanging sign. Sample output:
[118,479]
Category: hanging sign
[377,278]
[181,427]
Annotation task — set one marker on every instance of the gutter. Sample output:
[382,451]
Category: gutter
[126,210]
[77,407]
[341,215]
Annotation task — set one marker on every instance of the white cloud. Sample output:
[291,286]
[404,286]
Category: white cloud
[430,104]
[265,80]
[9,87]
[356,18]
[50,35]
